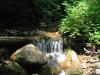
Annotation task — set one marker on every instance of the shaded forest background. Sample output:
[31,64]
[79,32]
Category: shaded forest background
[77,20]
[30,14]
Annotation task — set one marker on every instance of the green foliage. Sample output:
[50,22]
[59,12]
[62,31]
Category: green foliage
[74,20]
[82,19]
[95,37]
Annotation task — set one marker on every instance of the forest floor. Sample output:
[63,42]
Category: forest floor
[90,64]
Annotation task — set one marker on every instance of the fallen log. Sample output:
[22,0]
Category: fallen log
[91,52]
[9,40]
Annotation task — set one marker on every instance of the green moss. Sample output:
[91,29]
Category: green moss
[11,68]
[46,70]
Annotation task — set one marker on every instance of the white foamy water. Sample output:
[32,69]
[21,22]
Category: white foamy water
[62,73]
[53,47]
[49,45]
[57,56]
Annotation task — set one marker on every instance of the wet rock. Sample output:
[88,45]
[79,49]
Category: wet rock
[11,68]
[50,70]
[30,57]
[71,65]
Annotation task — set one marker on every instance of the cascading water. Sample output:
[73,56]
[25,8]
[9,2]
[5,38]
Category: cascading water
[53,47]
[50,45]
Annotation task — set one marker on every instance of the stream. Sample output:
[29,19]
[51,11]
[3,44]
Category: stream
[53,47]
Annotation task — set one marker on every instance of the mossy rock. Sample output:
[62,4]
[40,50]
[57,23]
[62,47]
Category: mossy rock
[50,70]
[30,57]
[11,68]
[46,70]
[29,54]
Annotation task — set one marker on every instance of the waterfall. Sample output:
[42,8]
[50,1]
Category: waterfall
[50,45]
[53,48]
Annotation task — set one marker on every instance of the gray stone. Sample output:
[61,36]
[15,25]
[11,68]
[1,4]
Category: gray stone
[30,57]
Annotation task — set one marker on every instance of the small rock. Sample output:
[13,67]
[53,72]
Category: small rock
[97,71]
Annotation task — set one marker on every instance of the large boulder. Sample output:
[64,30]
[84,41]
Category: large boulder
[71,65]
[30,57]
[11,68]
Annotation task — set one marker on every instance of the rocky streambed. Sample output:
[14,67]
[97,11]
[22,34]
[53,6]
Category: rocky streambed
[24,61]
[27,59]
[90,64]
